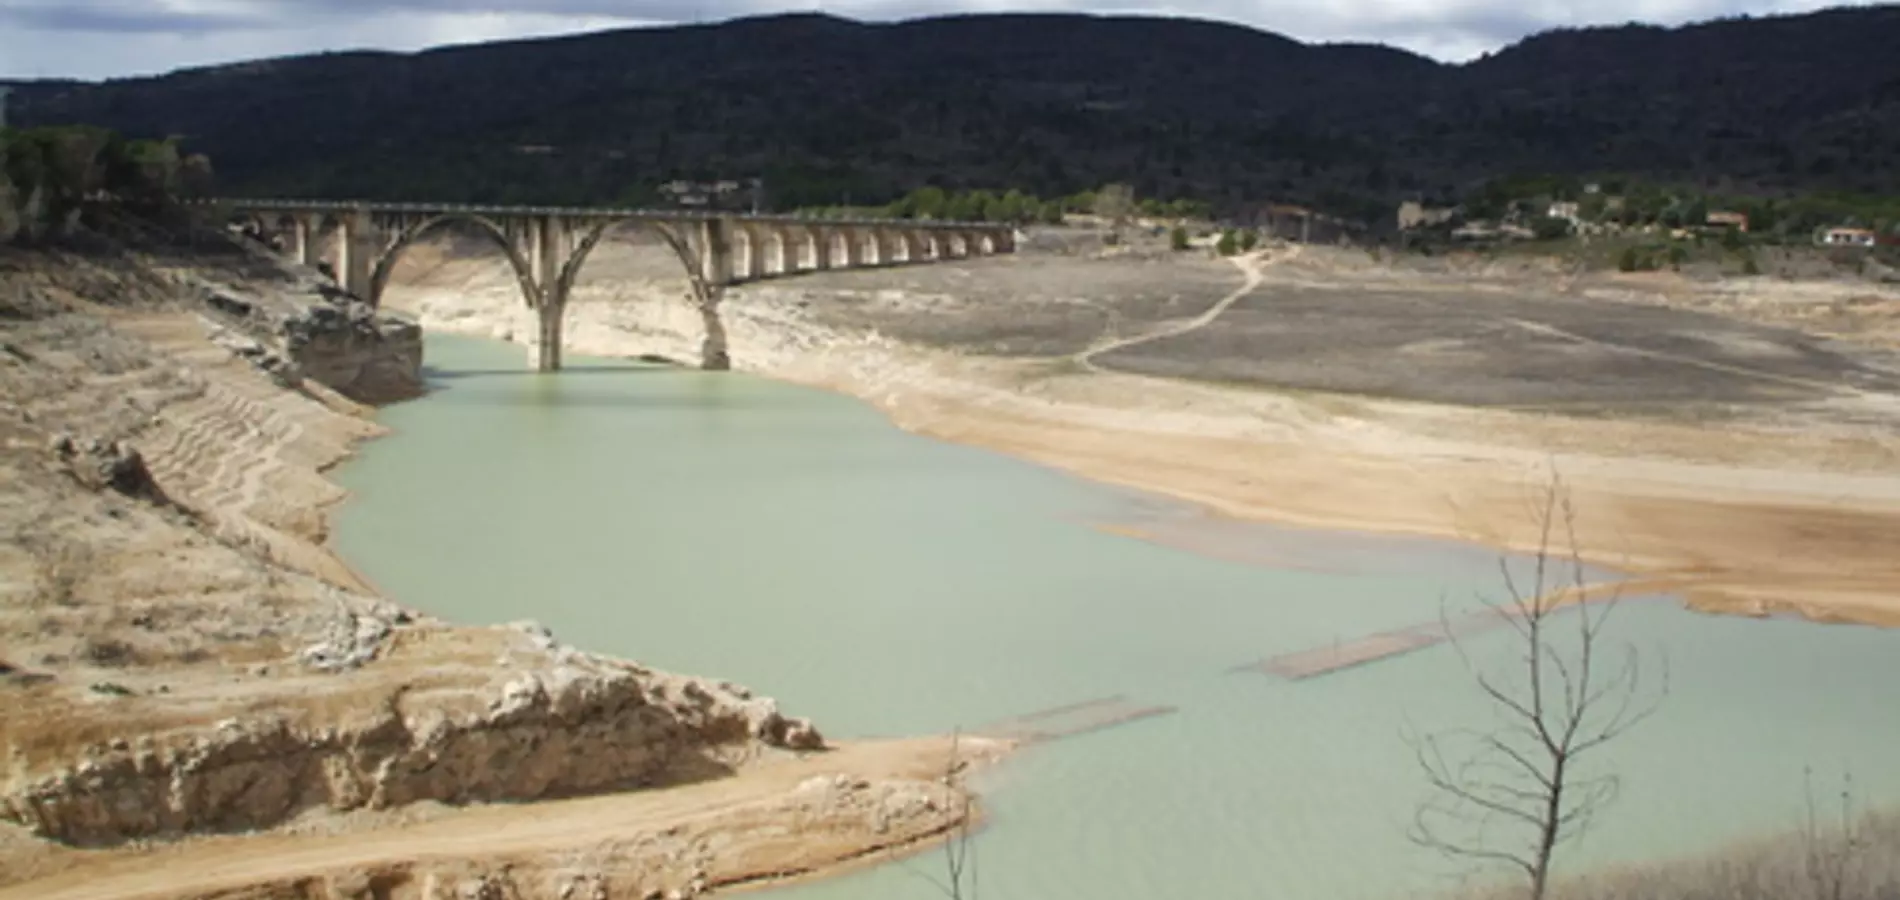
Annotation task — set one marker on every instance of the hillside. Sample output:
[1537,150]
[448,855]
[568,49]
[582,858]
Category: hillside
[829,110]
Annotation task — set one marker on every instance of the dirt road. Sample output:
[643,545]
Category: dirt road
[1249,265]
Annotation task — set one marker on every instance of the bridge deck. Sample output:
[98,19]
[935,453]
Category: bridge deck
[587,212]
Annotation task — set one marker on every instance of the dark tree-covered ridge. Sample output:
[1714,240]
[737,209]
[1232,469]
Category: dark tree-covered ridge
[832,111]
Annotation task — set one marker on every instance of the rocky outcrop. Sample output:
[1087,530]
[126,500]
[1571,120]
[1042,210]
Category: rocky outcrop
[303,328]
[555,722]
[109,465]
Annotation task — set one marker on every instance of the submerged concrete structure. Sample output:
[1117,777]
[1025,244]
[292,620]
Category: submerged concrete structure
[547,246]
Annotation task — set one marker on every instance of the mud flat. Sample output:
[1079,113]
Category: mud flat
[198,699]
[1716,453]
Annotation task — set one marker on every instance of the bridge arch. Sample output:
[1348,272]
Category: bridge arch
[764,251]
[814,250]
[916,246]
[707,288]
[677,240]
[385,264]
[779,260]
[839,238]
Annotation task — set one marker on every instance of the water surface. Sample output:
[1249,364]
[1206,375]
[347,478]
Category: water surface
[886,584]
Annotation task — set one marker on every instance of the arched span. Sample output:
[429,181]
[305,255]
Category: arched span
[677,241]
[386,261]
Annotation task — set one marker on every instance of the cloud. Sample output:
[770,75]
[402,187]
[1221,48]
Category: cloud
[82,17]
[103,38]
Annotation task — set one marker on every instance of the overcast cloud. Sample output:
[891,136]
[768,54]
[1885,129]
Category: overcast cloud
[106,38]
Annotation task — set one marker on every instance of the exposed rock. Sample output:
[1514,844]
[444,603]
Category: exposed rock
[559,729]
[300,329]
[353,642]
[102,465]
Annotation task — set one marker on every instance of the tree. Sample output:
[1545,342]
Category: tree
[928,202]
[1550,228]
[982,205]
[1592,207]
[958,856]
[964,208]
[1115,202]
[1511,795]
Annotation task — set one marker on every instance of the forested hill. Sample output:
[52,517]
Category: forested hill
[829,110]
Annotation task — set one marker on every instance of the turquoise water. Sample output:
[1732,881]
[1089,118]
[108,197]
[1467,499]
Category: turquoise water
[886,584]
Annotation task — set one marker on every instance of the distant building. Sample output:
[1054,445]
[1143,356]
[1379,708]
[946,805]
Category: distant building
[1413,214]
[1845,237]
[1722,218]
[1567,210]
[1291,222]
[713,194]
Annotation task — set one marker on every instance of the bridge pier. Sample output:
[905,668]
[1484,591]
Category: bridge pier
[551,247]
[357,248]
[303,242]
[715,274]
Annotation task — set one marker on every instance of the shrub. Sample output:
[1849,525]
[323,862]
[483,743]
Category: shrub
[1178,239]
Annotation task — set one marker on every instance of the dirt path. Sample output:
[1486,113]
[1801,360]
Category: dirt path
[642,837]
[1250,267]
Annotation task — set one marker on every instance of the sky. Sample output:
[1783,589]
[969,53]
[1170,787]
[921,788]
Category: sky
[95,39]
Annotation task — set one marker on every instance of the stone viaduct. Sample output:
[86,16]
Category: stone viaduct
[547,246]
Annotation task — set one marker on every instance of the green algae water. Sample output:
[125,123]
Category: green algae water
[885,584]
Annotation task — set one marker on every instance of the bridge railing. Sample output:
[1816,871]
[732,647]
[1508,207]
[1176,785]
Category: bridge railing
[675,215]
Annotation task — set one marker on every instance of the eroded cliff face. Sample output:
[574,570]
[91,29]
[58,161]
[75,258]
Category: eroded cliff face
[179,654]
[302,327]
[546,721]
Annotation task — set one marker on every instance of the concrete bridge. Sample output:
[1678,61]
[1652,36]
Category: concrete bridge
[547,246]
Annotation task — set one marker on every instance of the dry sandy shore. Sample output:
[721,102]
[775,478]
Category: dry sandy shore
[1709,449]
[197,699]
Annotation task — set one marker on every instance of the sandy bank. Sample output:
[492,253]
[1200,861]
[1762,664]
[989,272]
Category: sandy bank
[1791,509]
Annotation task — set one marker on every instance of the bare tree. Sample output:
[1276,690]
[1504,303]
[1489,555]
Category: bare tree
[1831,860]
[1115,202]
[959,880]
[1511,794]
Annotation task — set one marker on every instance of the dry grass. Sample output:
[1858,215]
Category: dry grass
[1857,858]
[60,569]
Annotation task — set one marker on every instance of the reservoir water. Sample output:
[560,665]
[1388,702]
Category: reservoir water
[885,584]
